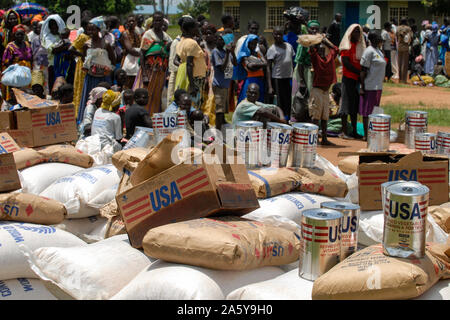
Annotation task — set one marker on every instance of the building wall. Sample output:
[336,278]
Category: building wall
[256,10]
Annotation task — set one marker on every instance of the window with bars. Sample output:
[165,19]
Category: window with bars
[313,12]
[398,13]
[275,16]
[234,11]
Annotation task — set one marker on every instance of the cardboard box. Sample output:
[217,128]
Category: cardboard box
[185,192]
[42,122]
[377,168]
[9,178]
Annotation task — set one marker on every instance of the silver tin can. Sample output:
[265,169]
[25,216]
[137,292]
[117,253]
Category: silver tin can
[278,143]
[405,219]
[165,123]
[249,141]
[443,143]
[384,187]
[426,142]
[350,225]
[378,132]
[142,138]
[416,122]
[304,144]
[320,245]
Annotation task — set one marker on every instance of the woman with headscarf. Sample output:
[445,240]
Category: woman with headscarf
[250,67]
[131,41]
[94,102]
[302,77]
[445,44]
[99,60]
[432,53]
[50,37]
[351,50]
[77,50]
[106,123]
[155,47]
[17,52]
[10,19]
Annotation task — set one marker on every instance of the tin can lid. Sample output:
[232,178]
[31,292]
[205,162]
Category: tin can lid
[380,115]
[250,124]
[278,125]
[144,129]
[443,134]
[390,183]
[416,112]
[339,205]
[425,134]
[305,126]
[408,189]
[322,214]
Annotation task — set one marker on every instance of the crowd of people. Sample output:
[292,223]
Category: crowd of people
[119,73]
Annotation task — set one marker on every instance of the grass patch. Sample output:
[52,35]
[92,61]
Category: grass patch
[436,117]
[174,31]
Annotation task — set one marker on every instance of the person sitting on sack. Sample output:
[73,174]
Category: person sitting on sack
[251,109]
[137,115]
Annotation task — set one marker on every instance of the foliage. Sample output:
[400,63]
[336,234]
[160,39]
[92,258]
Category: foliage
[438,7]
[193,8]
[97,7]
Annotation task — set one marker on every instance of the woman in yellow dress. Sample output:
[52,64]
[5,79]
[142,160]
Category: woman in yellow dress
[77,50]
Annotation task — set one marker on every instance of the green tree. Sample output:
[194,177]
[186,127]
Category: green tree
[97,7]
[438,7]
[6,4]
[193,8]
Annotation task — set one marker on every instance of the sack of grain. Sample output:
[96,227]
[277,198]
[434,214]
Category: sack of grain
[441,214]
[289,205]
[269,182]
[91,229]
[369,274]
[170,281]
[65,153]
[93,272]
[26,157]
[38,177]
[85,192]
[25,207]
[349,164]
[129,159]
[156,161]
[238,244]
[308,40]
[12,262]
[288,286]
[24,289]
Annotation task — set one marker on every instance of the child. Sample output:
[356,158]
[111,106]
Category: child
[127,101]
[223,59]
[324,77]
[280,58]
[137,115]
[66,93]
[106,122]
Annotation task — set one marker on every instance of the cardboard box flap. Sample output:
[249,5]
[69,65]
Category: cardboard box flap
[414,158]
[7,143]
[236,195]
[364,153]
[31,101]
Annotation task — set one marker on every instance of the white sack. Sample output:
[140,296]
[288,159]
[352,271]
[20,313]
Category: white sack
[170,281]
[36,178]
[24,289]
[93,272]
[288,286]
[91,229]
[85,192]
[13,263]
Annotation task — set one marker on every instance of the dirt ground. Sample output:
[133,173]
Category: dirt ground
[432,97]
[331,152]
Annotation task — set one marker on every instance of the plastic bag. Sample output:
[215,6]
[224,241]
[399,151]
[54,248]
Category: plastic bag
[16,76]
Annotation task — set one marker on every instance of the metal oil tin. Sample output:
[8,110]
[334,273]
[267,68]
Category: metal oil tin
[416,122]
[249,139]
[165,123]
[378,132]
[405,215]
[142,138]
[304,144]
[426,142]
[443,143]
[350,225]
[320,245]
[278,142]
